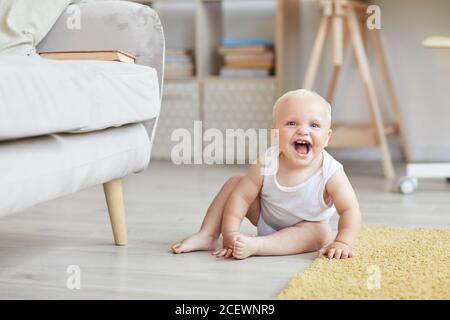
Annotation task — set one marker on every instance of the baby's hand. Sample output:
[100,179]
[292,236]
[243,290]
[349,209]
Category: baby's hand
[337,250]
[227,248]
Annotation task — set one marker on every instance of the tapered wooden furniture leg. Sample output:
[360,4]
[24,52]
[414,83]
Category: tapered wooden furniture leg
[338,40]
[114,200]
[363,64]
[338,55]
[363,28]
[379,53]
[311,71]
[279,41]
[333,83]
[337,67]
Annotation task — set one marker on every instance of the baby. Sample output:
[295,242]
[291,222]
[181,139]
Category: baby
[291,205]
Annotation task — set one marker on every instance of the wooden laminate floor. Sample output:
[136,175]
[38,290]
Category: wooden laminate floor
[164,204]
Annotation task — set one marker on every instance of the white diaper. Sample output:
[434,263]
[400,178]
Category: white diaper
[263,228]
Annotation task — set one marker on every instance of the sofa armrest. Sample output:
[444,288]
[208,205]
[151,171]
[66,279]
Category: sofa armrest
[110,25]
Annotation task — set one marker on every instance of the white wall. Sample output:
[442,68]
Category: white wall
[178,20]
[249,18]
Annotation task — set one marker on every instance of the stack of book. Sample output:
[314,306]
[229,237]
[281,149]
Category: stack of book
[247,57]
[179,64]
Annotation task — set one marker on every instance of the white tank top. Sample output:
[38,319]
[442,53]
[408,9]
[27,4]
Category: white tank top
[282,206]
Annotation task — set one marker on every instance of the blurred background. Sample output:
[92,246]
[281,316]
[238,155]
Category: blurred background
[196,87]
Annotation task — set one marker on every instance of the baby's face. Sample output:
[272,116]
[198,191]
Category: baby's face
[303,125]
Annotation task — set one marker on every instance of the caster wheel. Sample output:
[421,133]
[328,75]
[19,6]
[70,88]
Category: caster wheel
[407,185]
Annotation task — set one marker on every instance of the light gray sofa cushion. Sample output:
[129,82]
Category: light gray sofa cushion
[42,168]
[41,96]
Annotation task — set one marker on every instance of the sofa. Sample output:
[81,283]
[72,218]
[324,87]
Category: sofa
[70,125]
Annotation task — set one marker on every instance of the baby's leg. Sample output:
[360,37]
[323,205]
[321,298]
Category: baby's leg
[206,237]
[305,236]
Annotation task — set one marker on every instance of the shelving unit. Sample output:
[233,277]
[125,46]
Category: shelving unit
[219,102]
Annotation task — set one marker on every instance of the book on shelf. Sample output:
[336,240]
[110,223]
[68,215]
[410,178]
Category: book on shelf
[178,52]
[175,76]
[247,54]
[178,70]
[178,59]
[260,57]
[105,55]
[179,63]
[178,74]
[175,67]
[232,42]
[249,64]
[244,72]
[248,49]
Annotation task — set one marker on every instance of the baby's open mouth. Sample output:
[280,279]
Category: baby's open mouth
[302,147]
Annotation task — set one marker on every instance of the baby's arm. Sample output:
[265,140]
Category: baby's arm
[238,204]
[346,203]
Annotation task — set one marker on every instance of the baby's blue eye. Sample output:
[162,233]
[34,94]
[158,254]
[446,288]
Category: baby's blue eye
[315,125]
[291,124]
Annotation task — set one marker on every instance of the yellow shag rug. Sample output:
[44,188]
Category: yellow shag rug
[389,263]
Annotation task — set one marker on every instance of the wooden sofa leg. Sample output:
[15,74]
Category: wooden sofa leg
[114,200]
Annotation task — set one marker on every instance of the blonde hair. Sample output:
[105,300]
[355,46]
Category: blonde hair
[299,93]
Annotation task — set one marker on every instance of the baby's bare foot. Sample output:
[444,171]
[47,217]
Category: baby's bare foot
[245,247]
[197,242]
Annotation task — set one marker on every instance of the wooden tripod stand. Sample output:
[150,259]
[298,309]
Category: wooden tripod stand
[342,16]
